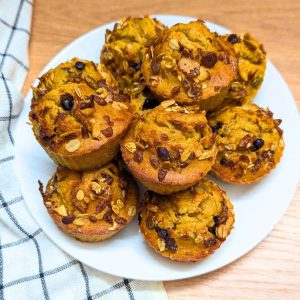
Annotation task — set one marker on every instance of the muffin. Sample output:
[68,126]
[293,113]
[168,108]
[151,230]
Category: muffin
[91,205]
[190,64]
[170,148]
[250,143]
[80,128]
[77,71]
[124,48]
[188,225]
[251,67]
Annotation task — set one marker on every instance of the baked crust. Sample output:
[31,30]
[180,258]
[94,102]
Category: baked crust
[124,48]
[250,143]
[191,65]
[189,225]
[170,148]
[251,68]
[78,127]
[76,70]
[91,205]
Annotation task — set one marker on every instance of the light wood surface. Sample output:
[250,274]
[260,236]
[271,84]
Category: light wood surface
[272,269]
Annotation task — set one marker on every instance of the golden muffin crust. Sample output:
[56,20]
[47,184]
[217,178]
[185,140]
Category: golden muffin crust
[80,128]
[188,225]
[124,48]
[251,67]
[190,64]
[250,143]
[75,70]
[91,205]
[169,148]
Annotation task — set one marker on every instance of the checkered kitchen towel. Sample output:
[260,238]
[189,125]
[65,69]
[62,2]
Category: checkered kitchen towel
[31,266]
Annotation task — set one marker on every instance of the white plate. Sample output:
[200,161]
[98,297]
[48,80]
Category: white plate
[258,207]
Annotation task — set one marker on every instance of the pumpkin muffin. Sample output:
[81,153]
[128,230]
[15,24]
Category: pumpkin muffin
[251,67]
[188,225]
[124,48]
[250,143]
[91,205]
[190,64]
[75,70]
[80,128]
[170,148]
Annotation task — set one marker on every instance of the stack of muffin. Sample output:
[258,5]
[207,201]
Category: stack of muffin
[176,102]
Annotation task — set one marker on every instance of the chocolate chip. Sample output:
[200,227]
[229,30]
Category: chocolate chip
[134,65]
[217,127]
[209,59]
[175,90]
[107,217]
[84,105]
[162,173]
[210,242]
[138,156]
[107,132]
[154,162]
[257,144]
[171,244]
[99,100]
[93,219]
[150,103]
[163,233]
[223,161]
[233,38]
[108,120]
[155,67]
[84,132]
[79,65]
[120,220]
[101,206]
[163,153]
[68,219]
[66,101]
[108,179]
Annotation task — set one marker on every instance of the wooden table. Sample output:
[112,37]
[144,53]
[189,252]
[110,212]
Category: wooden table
[272,269]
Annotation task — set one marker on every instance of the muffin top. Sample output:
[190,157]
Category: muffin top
[249,141]
[188,225]
[75,70]
[169,145]
[124,48]
[190,64]
[75,119]
[251,67]
[91,203]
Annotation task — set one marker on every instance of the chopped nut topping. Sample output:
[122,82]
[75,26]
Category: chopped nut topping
[152,208]
[119,105]
[96,130]
[162,173]
[161,245]
[73,145]
[80,195]
[131,147]
[132,211]
[112,228]
[96,187]
[61,210]
[173,44]
[115,208]
[198,239]
[167,103]
[78,92]
[154,162]
[185,155]
[222,231]
[78,222]
[120,203]
[120,220]
[101,214]
[102,92]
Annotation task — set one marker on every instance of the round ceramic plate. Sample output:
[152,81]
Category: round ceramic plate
[258,207]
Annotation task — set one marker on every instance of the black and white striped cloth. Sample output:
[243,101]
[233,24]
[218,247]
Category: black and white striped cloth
[31,266]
